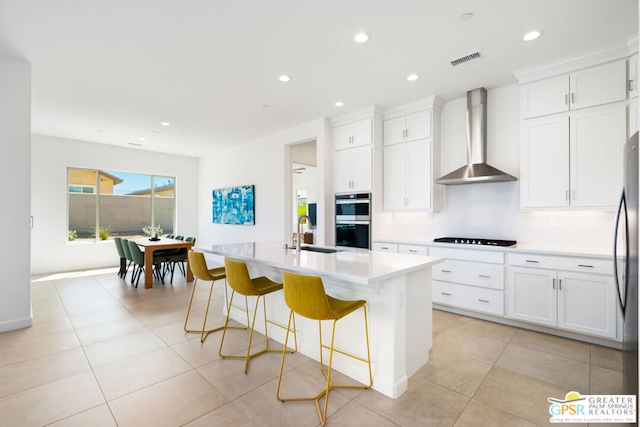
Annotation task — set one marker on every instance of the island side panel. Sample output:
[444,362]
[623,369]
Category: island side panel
[419,330]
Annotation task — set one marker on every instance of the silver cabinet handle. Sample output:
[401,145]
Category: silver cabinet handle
[445,294]
[566,99]
[446,271]
[573,98]
[553,285]
[560,284]
[531,261]
[484,300]
[573,194]
[566,195]
[484,276]
[413,251]
[585,265]
[631,84]
[384,247]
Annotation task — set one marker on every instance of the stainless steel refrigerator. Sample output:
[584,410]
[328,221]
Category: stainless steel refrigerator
[625,258]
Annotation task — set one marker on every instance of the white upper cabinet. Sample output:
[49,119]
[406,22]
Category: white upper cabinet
[596,138]
[408,128]
[353,171]
[544,165]
[411,156]
[407,172]
[353,134]
[573,159]
[597,85]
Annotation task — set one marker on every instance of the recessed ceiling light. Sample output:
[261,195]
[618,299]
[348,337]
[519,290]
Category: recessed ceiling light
[142,138]
[413,77]
[361,38]
[466,16]
[531,35]
[284,78]
[165,123]
[339,104]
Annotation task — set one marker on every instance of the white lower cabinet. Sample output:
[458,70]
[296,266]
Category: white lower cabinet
[575,300]
[384,247]
[412,249]
[469,279]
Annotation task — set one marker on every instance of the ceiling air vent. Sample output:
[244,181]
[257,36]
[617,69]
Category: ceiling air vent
[467,58]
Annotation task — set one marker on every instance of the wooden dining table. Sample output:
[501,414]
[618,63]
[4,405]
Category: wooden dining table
[155,245]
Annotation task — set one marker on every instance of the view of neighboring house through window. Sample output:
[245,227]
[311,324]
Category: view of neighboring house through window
[124,204]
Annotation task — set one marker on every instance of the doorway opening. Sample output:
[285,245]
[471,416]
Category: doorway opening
[303,191]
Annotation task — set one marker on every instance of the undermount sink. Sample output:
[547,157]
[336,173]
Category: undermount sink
[317,249]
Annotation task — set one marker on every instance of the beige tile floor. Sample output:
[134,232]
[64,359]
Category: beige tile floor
[102,353]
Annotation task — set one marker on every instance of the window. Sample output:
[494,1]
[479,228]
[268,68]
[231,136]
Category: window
[103,204]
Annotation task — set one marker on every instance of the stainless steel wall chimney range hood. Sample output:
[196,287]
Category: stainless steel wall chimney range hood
[476,170]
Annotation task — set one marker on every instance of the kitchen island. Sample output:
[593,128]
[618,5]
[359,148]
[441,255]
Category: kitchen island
[397,288]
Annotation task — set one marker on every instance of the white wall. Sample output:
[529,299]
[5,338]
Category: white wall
[15,109]
[50,158]
[492,210]
[265,164]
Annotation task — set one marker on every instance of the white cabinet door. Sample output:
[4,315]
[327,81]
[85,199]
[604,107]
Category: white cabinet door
[408,128]
[598,85]
[341,136]
[597,136]
[362,132]
[544,181]
[419,176]
[394,131]
[587,304]
[352,134]
[407,176]
[547,96]
[395,176]
[353,169]
[343,167]
[418,125]
[532,295]
[361,169]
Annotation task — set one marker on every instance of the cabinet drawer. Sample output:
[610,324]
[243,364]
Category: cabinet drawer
[585,265]
[412,249]
[467,254]
[468,297]
[470,273]
[384,247]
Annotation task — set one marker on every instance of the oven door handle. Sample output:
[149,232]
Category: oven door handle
[352,201]
[353,222]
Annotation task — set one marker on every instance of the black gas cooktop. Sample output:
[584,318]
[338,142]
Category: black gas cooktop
[471,241]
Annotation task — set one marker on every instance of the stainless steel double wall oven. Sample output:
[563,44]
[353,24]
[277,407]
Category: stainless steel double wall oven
[353,220]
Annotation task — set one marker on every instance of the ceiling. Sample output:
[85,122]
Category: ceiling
[109,71]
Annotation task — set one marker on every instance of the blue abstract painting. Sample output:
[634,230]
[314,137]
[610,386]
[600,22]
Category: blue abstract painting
[234,205]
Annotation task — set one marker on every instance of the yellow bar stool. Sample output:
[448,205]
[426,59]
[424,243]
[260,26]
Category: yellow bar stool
[305,296]
[240,282]
[201,271]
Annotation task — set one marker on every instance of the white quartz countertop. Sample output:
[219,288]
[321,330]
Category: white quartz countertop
[356,266]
